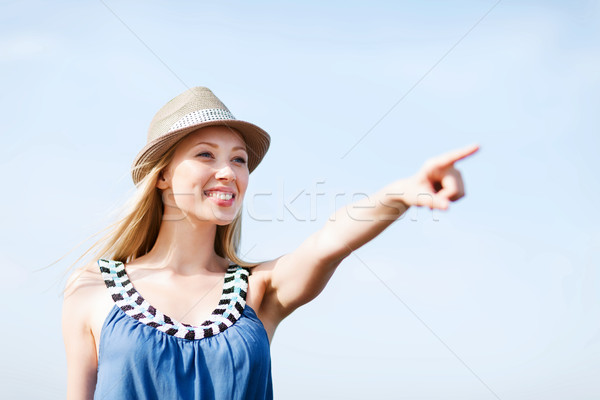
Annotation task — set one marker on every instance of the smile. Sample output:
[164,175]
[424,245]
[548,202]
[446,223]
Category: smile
[220,195]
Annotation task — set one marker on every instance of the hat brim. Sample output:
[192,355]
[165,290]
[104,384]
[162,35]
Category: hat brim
[257,144]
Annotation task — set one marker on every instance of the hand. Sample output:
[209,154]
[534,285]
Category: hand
[438,183]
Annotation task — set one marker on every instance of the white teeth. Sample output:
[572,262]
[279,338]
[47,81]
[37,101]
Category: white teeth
[221,196]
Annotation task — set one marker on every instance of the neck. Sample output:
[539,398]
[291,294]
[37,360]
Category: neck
[186,247]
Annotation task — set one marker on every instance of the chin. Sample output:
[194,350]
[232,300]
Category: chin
[221,222]
[224,220]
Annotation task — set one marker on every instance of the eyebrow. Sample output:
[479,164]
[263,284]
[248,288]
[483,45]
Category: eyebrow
[217,146]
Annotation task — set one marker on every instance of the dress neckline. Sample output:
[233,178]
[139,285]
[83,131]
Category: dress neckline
[228,311]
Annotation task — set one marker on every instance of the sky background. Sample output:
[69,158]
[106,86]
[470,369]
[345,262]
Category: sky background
[496,298]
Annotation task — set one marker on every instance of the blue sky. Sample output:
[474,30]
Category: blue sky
[495,298]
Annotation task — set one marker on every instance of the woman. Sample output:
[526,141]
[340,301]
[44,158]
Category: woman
[178,247]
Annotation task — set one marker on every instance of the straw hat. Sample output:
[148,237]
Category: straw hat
[193,109]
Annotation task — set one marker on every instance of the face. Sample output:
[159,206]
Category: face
[207,178]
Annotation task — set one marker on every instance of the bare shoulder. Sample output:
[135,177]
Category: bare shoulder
[257,284]
[260,296]
[84,292]
[83,280]
[293,280]
[265,268]
[261,276]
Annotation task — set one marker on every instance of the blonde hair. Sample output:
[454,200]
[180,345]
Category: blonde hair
[135,233]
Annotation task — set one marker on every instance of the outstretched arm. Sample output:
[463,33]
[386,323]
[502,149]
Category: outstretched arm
[299,276]
[435,185]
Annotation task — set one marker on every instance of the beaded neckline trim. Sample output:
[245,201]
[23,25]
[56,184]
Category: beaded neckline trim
[230,308]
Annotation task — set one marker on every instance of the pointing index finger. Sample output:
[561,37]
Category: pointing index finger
[449,158]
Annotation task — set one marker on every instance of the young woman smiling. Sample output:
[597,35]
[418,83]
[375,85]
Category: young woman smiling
[168,310]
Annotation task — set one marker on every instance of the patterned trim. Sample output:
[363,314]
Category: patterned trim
[230,308]
[199,116]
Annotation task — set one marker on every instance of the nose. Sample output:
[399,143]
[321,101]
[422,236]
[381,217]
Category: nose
[225,173]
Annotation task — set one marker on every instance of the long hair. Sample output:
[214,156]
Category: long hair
[135,233]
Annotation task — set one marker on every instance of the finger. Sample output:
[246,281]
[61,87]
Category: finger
[431,200]
[439,203]
[449,158]
[452,186]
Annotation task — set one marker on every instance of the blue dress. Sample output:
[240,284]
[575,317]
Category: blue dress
[144,354]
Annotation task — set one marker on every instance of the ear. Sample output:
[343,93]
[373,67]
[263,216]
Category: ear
[162,183]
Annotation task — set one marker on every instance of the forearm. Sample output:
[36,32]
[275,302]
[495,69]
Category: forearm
[355,224]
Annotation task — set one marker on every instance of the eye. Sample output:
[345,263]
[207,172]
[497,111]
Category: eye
[204,154]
